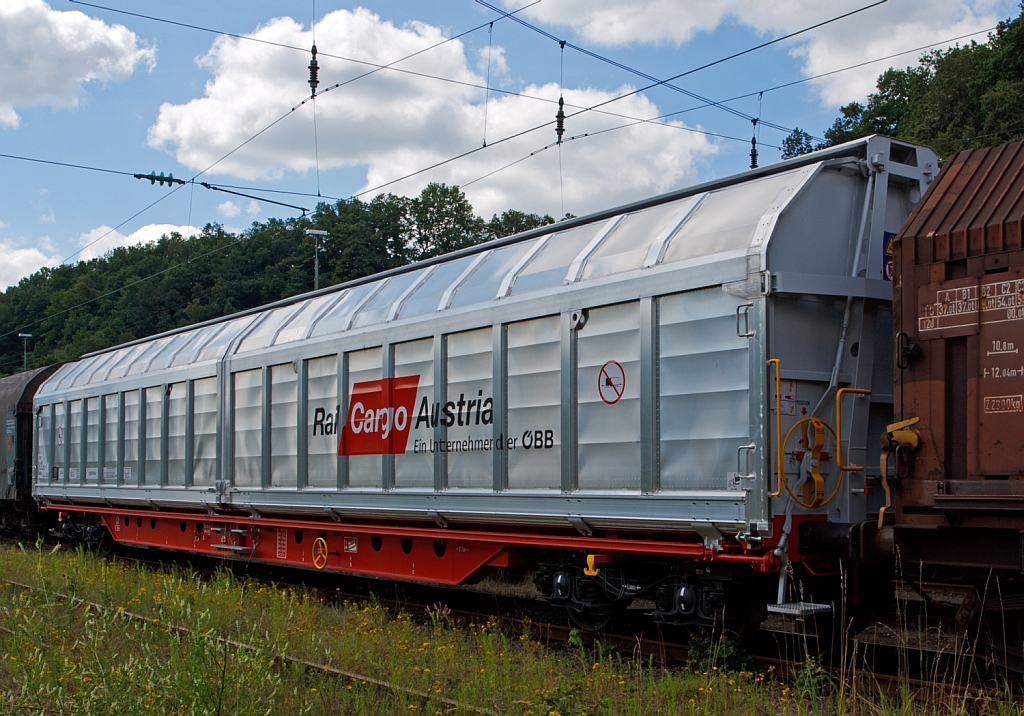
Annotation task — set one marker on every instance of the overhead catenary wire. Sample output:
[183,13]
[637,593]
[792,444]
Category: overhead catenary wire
[458,156]
[377,67]
[668,83]
[524,158]
[560,123]
[996,134]
[652,120]
[282,45]
[852,67]
[225,156]
[811,78]
[503,16]
[314,81]
[591,134]
[179,182]
[187,261]
[108,233]
[596,133]
[487,82]
[736,54]
[192,180]
[87,167]
[631,93]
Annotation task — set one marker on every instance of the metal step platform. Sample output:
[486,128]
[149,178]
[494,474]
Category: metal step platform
[799,609]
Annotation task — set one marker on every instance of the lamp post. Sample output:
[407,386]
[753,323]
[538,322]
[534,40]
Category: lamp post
[316,234]
[24,352]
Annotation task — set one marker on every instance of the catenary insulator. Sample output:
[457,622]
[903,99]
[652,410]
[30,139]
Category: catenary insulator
[314,69]
[560,120]
[753,144]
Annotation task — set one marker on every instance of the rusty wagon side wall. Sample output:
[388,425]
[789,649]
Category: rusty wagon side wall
[959,315]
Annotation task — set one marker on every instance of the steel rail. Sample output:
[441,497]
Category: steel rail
[320,668]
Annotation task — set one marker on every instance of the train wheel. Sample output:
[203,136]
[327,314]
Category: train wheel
[1002,635]
[590,619]
[97,538]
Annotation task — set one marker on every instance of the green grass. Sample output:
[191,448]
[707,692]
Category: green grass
[72,657]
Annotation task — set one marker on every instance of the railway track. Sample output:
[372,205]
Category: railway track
[887,654]
[319,668]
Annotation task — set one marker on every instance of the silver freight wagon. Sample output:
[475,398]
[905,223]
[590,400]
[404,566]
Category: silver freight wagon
[605,372]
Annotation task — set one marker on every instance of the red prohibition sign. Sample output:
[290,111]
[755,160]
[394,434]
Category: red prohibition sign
[611,382]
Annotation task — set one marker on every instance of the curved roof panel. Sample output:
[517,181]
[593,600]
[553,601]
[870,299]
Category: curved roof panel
[427,296]
[626,245]
[482,284]
[723,218]
[549,265]
[726,219]
[217,346]
[376,310]
[187,353]
[264,333]
[299,324]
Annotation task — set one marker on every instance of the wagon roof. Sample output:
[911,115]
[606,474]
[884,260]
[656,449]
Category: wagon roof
[973,208]
[201,340]
[17,390]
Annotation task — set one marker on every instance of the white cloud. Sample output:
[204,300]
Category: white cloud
[597,171]
[47,216]
[498,63]
[253,209]
[898,25]
[102,239]
[3,224]
[21,262]
[47,244]
[394,123]
[46,55]
[229,209]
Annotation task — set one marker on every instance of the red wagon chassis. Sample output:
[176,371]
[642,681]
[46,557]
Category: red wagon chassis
[428,554]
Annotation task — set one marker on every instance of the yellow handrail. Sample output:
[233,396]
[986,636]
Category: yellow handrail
[778,424]
[884,467]
[839,427]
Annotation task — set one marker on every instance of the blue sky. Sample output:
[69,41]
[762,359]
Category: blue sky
[84,85]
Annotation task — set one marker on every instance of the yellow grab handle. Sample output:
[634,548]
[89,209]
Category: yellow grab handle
[778,425]
[839,427]
[901,435]
[884,465]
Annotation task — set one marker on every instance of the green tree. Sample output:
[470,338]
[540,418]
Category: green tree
[137,291]
[797,143]
[514,222]
[363,239]
[888,111]
[969,96]
[444,221]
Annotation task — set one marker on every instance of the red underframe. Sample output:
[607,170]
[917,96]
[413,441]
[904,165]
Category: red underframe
[426,554]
